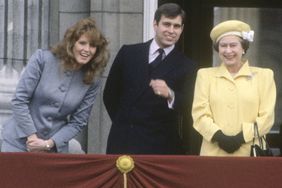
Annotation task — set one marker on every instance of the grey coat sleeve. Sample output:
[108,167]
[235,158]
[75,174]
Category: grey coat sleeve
[23,95]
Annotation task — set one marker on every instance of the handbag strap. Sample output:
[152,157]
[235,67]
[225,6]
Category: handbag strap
[256,135]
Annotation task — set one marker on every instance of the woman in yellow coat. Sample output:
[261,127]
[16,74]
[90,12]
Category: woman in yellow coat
[230,98]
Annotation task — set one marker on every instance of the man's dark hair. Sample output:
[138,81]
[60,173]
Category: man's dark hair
[170,10]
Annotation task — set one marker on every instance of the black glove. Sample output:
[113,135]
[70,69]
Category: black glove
[239,138]
[228,143]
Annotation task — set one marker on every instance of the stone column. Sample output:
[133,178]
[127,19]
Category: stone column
[23,28]
[70,11]
[122,23]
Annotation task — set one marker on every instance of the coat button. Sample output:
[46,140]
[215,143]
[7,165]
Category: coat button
[231,106]
[231,88]
[45,133]
[62,88]
[56,104]
[68,73]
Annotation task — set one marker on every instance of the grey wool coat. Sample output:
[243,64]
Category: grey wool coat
[49,101]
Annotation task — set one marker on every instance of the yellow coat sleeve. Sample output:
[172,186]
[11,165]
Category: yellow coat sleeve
[267,100]
[201,112]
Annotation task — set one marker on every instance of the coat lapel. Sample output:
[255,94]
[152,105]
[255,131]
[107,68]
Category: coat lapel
[141,63]
[141,69]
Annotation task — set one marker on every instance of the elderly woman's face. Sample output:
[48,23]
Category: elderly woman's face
[230,50]
[83,51]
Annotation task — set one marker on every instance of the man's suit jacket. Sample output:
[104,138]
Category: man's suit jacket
[142,122]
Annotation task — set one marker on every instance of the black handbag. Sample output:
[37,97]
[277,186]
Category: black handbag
[261,149]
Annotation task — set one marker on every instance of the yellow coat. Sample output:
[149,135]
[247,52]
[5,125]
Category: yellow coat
[233,105]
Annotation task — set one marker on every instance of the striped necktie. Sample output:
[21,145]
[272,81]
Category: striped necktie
[158,59]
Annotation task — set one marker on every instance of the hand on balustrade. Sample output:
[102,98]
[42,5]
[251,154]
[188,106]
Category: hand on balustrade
[35,144]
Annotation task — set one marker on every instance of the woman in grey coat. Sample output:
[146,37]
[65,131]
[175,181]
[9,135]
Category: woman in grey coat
[56,92]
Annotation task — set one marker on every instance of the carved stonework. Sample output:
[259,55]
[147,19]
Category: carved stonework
[8,81]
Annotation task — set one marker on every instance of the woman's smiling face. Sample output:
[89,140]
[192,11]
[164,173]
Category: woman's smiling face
[230,50]
[83,50]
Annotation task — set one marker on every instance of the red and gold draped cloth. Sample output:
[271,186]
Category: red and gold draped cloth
[29,170]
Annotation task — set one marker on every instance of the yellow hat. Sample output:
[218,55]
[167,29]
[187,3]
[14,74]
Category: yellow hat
[232,27]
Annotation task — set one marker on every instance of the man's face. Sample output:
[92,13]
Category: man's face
[168,31]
